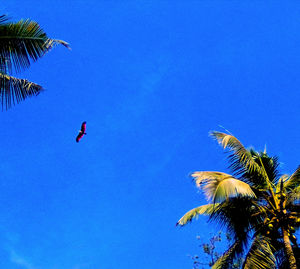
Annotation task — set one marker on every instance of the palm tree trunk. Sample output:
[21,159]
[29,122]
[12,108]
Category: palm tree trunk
[288,249]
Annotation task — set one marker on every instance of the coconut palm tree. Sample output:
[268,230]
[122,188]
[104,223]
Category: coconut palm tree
[256,204]
[21,43]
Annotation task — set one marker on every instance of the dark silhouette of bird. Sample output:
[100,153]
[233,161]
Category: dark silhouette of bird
[81,132]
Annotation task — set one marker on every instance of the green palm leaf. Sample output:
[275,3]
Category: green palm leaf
[195,212]
[14,90]
[219,186]
[294,180]
[260,255]
[21,43]
[242,158]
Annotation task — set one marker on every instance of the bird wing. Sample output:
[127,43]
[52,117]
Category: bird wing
[83,127]
[79,136]
[81,132]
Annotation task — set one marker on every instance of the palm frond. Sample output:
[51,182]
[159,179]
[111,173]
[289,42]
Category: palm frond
[280,183]
[3,19]
[270,165]
[195,212]
[241,158]
[260,255]
[238,216]
[294,180]
[293,203]
[14,90]
[226,260]
[293,196]
[21,43]
[219,186]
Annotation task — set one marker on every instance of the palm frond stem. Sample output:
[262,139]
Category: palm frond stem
[269,184]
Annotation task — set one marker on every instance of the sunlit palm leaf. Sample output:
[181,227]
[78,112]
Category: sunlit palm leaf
[14,90]
[260,255]
[219,186]
[195,212]
[293,181]
[242,158]
[21,43]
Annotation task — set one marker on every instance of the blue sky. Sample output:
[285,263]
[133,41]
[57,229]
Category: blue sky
[151,78]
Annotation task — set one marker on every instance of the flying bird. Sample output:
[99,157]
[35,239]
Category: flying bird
[81,132]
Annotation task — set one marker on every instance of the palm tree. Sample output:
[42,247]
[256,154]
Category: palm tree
[21,43]
[255,204]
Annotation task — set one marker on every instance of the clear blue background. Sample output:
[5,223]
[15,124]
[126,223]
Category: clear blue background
[151,78]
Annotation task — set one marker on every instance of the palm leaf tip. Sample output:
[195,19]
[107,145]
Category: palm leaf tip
[226,140]
[52,42]
[64,43]
[14,90]
[195,212]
